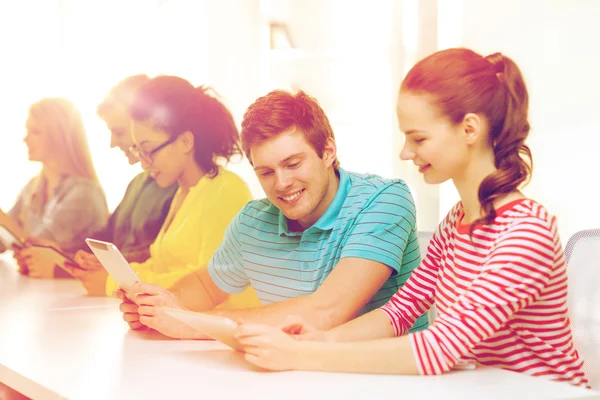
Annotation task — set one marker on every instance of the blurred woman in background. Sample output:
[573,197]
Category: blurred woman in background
[64,203]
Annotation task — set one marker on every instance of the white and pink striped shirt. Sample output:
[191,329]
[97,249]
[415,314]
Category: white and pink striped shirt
[501,297]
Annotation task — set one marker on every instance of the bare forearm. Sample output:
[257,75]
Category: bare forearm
[192,294]
[373,325]
[321,316]
[383,356]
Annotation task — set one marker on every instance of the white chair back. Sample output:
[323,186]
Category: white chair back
[424,239]
[583,268]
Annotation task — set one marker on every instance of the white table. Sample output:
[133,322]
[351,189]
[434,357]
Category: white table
[57,343]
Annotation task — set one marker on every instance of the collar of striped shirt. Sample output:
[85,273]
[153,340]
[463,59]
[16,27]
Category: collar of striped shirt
[326,221]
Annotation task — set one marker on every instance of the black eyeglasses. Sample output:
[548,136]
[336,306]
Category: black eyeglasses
[147,156]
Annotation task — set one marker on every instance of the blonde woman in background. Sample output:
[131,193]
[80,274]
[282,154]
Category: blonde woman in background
[64,202]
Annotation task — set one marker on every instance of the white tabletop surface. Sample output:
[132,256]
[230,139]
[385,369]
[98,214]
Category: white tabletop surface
[57,343]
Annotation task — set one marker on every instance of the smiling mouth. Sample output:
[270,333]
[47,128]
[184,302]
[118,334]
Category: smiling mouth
[291,198]
[424,168]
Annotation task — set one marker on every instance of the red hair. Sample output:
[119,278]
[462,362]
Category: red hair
[280,111]
[461,81]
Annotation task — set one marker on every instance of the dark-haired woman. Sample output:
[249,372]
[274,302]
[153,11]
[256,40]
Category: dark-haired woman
[181,133]
[495,267]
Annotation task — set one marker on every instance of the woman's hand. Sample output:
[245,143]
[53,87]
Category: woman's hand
[31,260]
[92,279]
[268,346]
[301,330]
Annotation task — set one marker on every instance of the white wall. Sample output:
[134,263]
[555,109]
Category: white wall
[416,36]
[22,58]
[344,62]
[555,44]
[352,56]
[233,58]
[80,48]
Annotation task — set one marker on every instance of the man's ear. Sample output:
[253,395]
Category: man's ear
[330,152]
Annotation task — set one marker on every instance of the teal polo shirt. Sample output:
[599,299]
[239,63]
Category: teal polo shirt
[370,218]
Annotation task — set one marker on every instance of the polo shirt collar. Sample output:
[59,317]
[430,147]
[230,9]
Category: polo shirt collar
[328,219]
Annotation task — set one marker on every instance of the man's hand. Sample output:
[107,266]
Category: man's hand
[150,300]
[129,310]
[301,330]
[268,346]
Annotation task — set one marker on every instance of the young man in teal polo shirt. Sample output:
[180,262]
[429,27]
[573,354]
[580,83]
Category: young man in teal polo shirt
[326,244]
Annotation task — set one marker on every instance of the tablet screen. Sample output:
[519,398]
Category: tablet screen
[115,264]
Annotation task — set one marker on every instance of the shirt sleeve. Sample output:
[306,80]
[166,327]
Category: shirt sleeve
[15,212]
[518,268]
[81,210]
[418,293]
[141,250]
[106,233]
[382,229]
[214,216]
[226,267]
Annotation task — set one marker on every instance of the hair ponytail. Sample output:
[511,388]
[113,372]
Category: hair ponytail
[512,156]
[460,81]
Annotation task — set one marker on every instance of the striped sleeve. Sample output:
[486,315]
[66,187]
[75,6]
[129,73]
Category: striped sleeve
[226,267]
[519,266]
[417,295]
[381,230]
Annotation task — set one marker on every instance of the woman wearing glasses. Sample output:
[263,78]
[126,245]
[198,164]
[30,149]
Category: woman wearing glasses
[138,218]
[180,134]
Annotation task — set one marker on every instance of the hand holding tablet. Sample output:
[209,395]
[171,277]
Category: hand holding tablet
[9,239]
[56,256]
[218,328]
[114,262]
[10,231]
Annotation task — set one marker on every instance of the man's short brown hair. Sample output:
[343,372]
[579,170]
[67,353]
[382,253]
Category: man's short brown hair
[280,111]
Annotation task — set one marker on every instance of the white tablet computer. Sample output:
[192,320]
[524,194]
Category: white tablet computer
[57,256]
[113,261]
[218,328]
[8,238]
[10,232]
